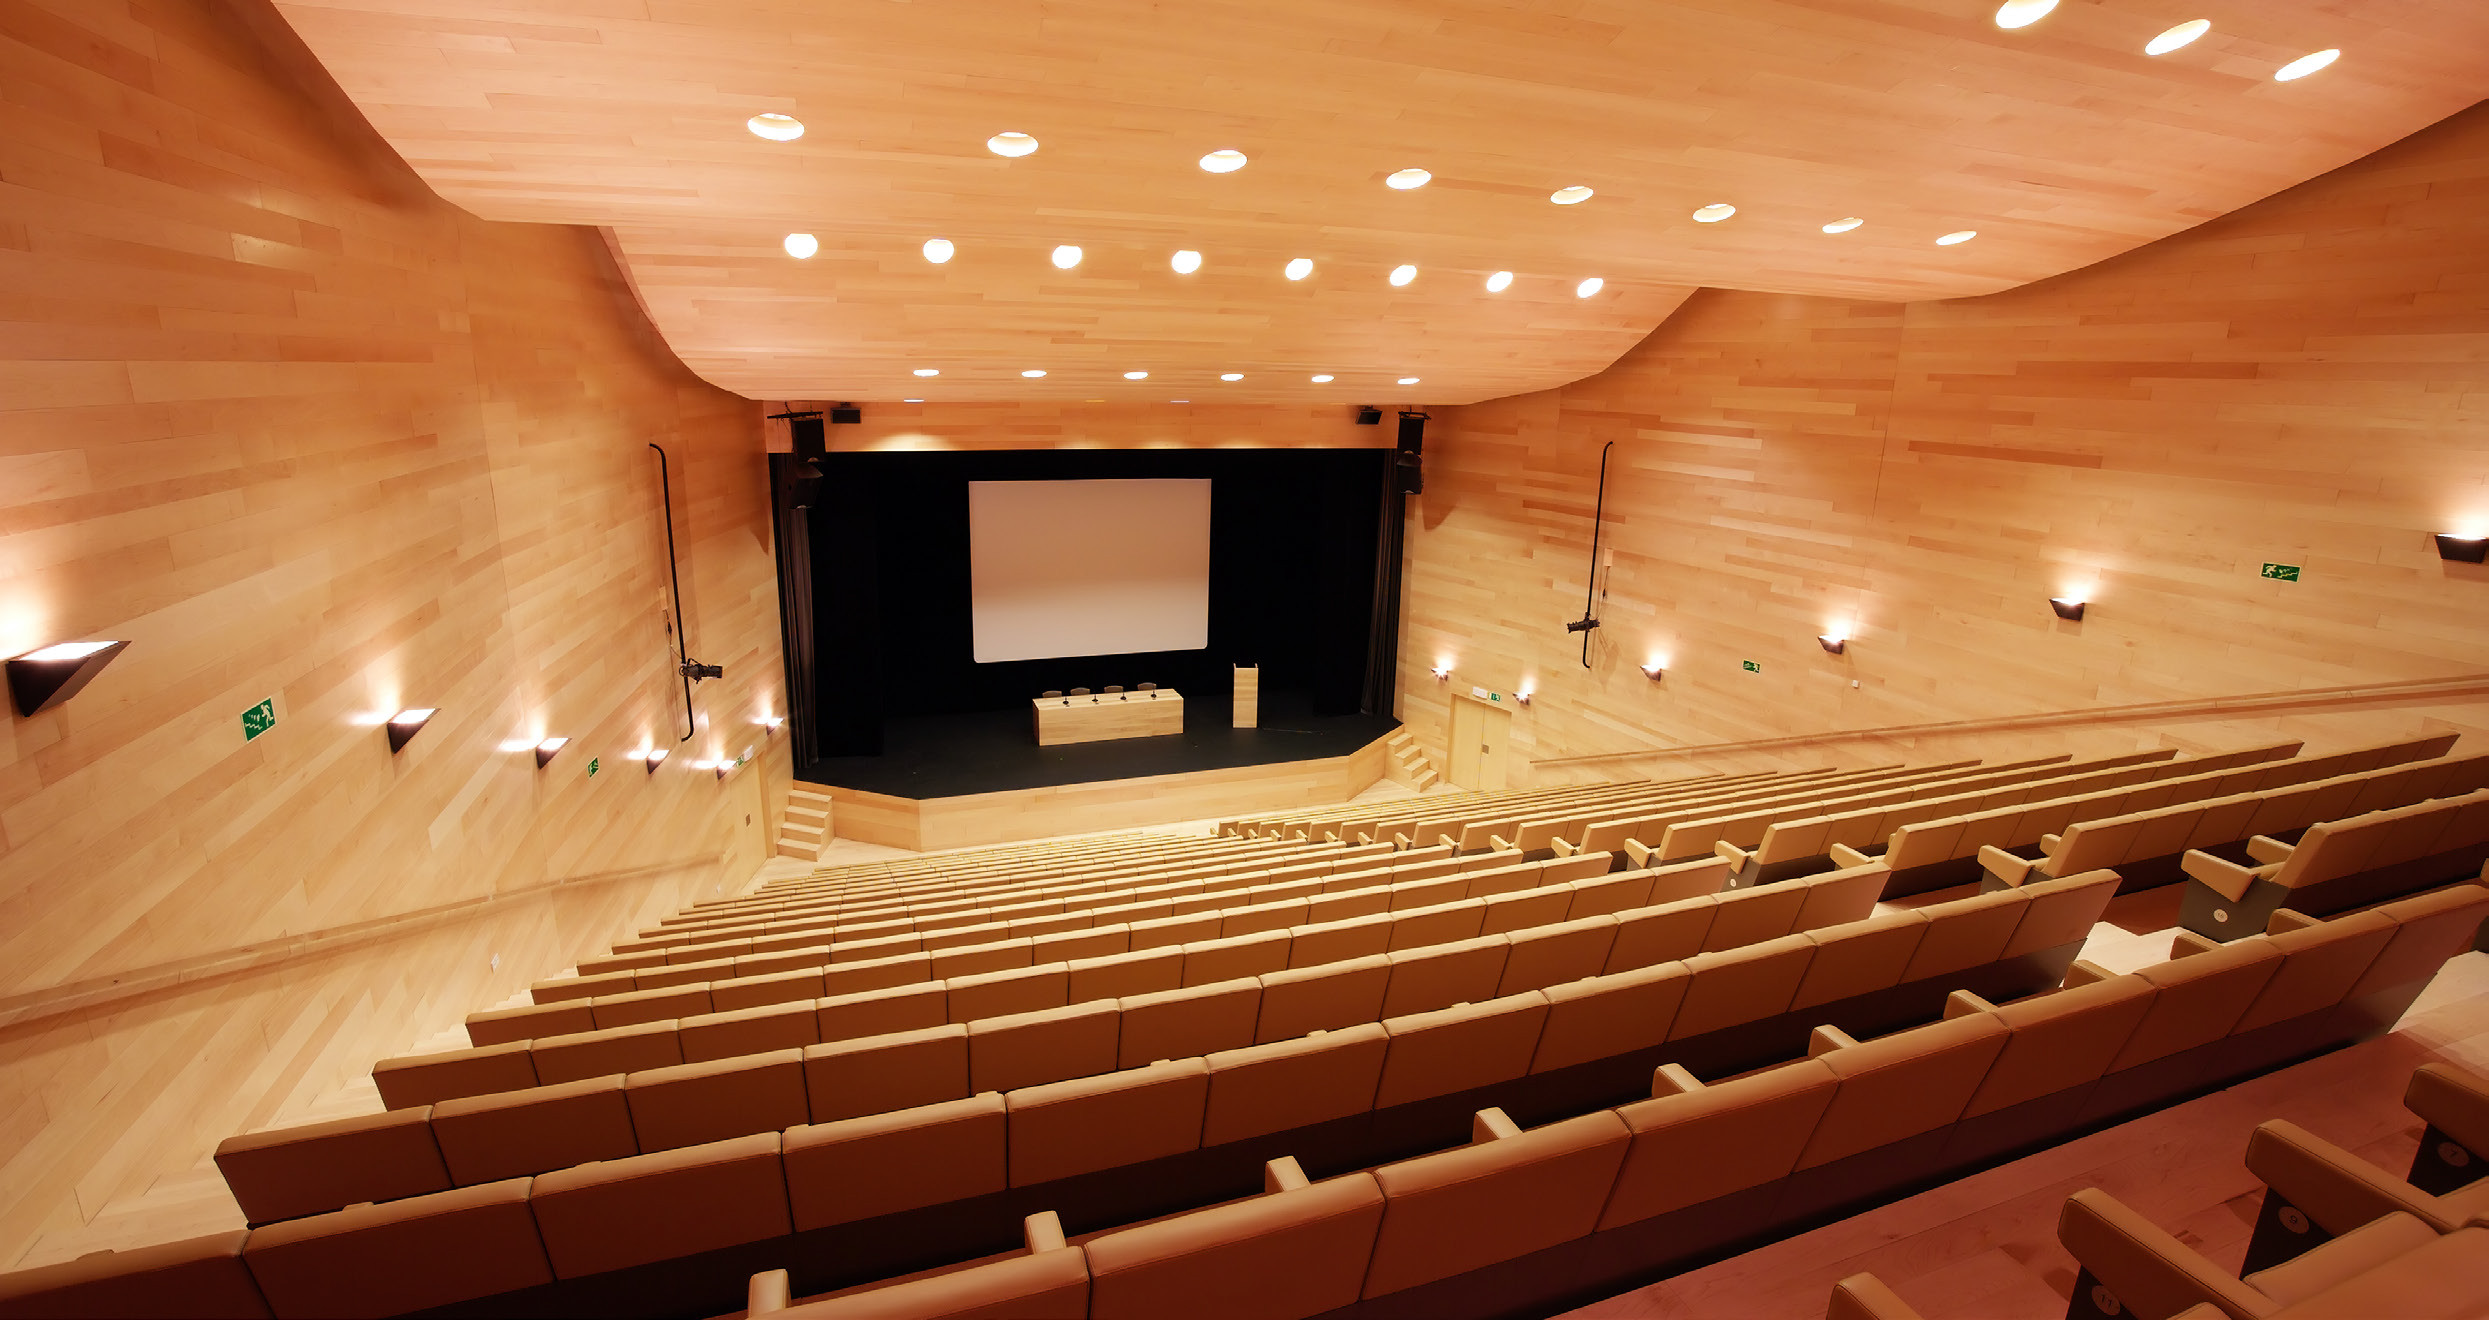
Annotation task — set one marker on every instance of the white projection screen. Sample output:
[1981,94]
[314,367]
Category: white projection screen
[1073,568]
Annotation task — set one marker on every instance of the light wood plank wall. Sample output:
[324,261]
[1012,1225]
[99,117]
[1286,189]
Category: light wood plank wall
[2303,382]
[297,428]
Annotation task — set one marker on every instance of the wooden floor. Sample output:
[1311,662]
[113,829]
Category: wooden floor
[1985,1247]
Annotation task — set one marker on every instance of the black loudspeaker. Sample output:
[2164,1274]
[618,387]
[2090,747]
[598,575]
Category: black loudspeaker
[845,414]
[1369,417]
[1410,467]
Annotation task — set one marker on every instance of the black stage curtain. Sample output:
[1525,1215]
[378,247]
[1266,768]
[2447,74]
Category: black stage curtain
[1295,567]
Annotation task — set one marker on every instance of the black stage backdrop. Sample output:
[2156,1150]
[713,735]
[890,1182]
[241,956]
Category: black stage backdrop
[1293,583]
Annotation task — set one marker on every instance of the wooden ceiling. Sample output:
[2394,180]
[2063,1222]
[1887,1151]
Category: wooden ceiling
[2061,144]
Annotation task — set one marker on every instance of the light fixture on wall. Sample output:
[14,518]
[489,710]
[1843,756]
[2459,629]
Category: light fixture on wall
[2066,608]
[1522,696]
[2450,547]
[1654,671]
[652,757]
[1442,673]
[42,679]
[548,749]
[1833,643]
[770,724]
[404,725]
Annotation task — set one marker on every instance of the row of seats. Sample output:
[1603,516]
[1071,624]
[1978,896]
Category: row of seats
[1511,1193]
[1475,828]
[2175,829]
[1792,840]
[1409,824]
[2336,1237]
[2337,863]
[1935,843]
[721,1015]
[1328,824]
[785,1081]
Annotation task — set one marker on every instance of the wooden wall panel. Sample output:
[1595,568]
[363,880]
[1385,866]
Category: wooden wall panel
[298,429]
[2304,382]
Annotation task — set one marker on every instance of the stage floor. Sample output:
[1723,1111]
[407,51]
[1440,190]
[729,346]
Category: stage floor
[939,756]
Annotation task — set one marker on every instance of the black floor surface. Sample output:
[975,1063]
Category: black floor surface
[935,756]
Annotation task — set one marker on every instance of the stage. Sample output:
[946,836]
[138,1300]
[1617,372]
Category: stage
[952,781]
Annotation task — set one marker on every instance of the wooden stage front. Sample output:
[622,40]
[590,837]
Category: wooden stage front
[973,819]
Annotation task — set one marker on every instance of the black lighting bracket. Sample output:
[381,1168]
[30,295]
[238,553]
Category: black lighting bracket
[1590,590]
[2462,549]
[683,663]
[38,682]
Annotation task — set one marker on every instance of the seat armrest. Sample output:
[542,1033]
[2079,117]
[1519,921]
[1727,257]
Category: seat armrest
[2187,944]
[2267,850]
[2453,1100]
[2084,972]
[1729,852]
[1672,1079]
[2285,920]
[765,1293]
[1864,1297]
[1562,848]
[1491,1124]
[1447,841]
[2226,878]
[1042,1231]
[2003,865]
[2337,1189]
[2146,1269]
[1845,857]
[1639,851]
[1827,1038]
[1962,1003]
[2050,843]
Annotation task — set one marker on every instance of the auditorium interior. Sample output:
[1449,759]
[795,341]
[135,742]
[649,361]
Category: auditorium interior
[1370,660]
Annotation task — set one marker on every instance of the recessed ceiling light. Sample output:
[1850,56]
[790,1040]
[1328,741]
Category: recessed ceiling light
[1033,373]
[1957,236]
[1408,380]
[1300,268]
[1401,275]
[1065,257]
[911,400]
[800,246]
[1223,161]
[939,250]
[1179,401]
[929,371]
[776,128]
[2180,35]
[2022,13]
[1406,179]
[1715,213]
[1136,375]
[1571,196]
[1231,375]
[1588,287]
[1011,144]
[1322,380]
[1499,281]
[1843,226]
[2305,65]
[1185,262]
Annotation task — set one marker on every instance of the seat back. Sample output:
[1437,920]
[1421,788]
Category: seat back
[511,1134]
[2060,1040]
[1039,1285]
[1601,1017]
[1297,1252]
[1440,975]
[401,1256]
[1857,957]
[193,1279]
[1491,1201]
[879,1164]
[626,1212]
[846,1078]
[1964,933]
[2320,964]
[1291,1083]
[1733,986]
[2200,999]
[1303,999]
[1090,1123]
[1707,1143]
[1456,1048]
[691,1104]
[1901,1085]
[1048,1045]
[1187,1023]
[289,1172]
[1557,952]
[2060,911]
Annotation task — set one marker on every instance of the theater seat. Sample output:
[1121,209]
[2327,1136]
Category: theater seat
[608,1216]
[1296,1251]
[1864,1297]
[1187,1023]
[1048,1045]
[1964,933]
[619,1050]
[421,1079]
[1048,1282]
[1291,1083]
[1857,957]
[845,1078]
[1324,998]
[2062,1039]
[1606,1016]
[693,1103]
[1733,986]
[1440,975]
[1902,1085]
[377,1260]
[1494,1200]
[2200,998]
[878,1164]
[1092,1123]
[512,1134]
[1709,1142]
[1555,953]
[1454,1049]
[321,1166]
[2320,964]
[200,1278]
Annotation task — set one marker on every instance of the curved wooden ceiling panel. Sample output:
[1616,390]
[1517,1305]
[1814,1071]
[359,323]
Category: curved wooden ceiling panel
[2061,144]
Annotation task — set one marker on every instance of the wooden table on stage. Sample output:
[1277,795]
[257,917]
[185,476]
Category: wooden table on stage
[1103,715]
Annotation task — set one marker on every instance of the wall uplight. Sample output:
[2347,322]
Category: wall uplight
[1402,275]
[1185,262]
[2450,547]
[1065,257]
[548,749]
[2181,35]
[2066,607]
[1011,144]
[1442,670]
[2305,65]
[776,128]
[1589,288]
[404,725]
[1299,267]
[1226,160]
[652,757]
[42,679]
[1654,671]
[1407,179]
[1499,281]
[939,250]
[2022,13]
[1833,642]
[802,246]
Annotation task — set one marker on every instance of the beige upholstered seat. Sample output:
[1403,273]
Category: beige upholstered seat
[196,1277]
[1901,1085]
[1454,1049]
[1733,986]
[1291,1083]
[323,1166]
[659,1005]
[599,1217]
[1334,995]
[1294,1252]
[2320,963]
[1751,916]
[1857,957]
[510,1134]
[2199,1000]
[2060,911]
[755,1030]
[1490,1201]
[1670,932]
[1706,1143]
[1091,1123]
[1441,975]
[1605,1016]
[1037,1285]
[619,1050]
[1556,952]
[1048,1045]
[376,1260]
[2059,1040]
[846,1078]
[405,1083]
[878,1012]
[878,1164]
[1187,1023]
[690,1104]
[1964,933]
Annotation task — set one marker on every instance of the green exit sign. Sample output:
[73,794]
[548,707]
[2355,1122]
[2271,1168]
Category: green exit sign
[592,764]
[2282,572]
[259,719]
[1753,666]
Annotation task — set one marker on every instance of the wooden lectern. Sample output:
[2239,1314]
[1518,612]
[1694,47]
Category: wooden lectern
[1248,696]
